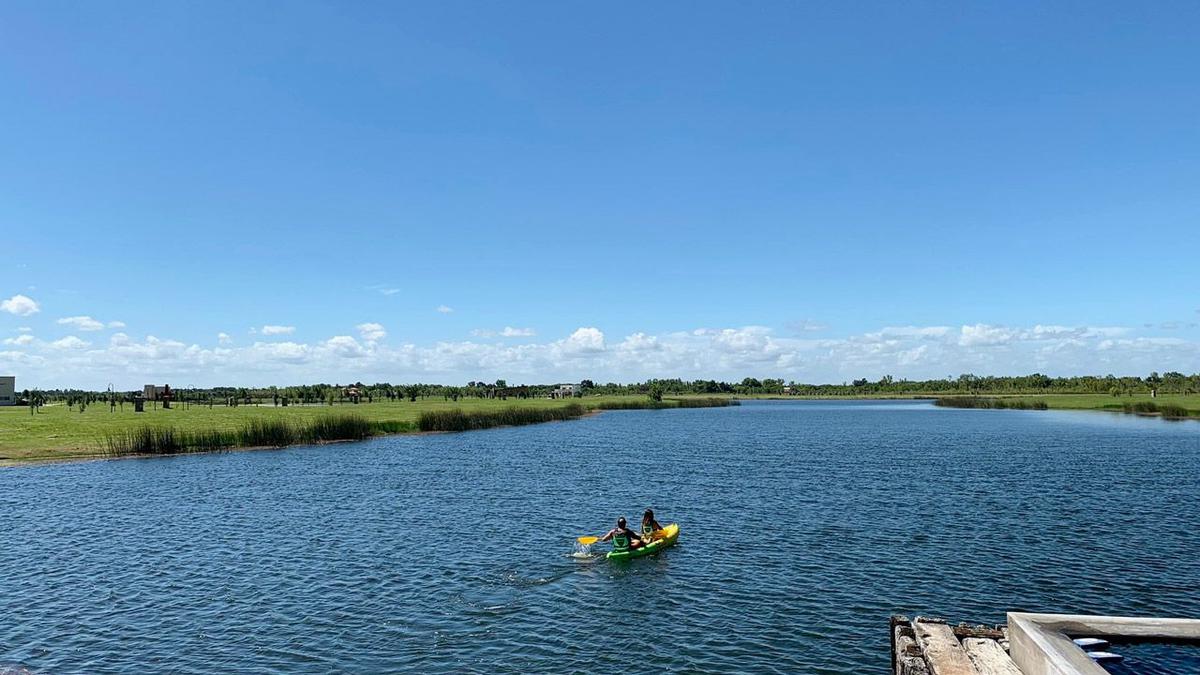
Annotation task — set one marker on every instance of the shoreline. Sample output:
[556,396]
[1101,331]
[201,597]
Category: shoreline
[1060,402]
[587,411]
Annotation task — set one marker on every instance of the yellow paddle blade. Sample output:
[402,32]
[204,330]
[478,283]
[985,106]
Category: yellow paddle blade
[587,541]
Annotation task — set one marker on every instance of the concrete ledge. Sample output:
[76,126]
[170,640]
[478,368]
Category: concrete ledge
[1040,644]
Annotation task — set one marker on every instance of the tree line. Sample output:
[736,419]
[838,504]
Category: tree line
[330,394]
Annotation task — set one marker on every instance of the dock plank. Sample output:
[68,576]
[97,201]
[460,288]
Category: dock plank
[943,653]
[989,657]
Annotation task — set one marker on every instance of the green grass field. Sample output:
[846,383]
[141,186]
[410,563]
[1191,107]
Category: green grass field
[58,433]
[1115,403]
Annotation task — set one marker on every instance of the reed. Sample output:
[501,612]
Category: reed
[264,433]
[1144,407]
[1167,410]
[634,404]
[650,404]
[337,428]
[990,403]
[381,427]
[254,433]
[709,402]
[143,441]
[460,420]
[1171,411]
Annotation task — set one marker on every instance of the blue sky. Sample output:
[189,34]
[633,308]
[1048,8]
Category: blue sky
[815,192]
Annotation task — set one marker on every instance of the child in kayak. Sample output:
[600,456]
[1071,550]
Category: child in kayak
[650,526]
[623,538]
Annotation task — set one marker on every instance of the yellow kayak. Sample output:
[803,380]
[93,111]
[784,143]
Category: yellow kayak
[663,538]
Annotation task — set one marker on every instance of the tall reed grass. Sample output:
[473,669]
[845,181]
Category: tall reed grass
[460,420]
[990,403]
[1167,410]
[648,404]
[255,433]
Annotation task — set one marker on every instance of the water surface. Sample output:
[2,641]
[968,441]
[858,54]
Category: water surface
[804,526]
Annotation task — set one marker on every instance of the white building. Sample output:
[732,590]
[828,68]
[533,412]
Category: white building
[565,391]
[8,390]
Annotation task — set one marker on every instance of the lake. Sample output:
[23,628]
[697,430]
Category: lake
[804,526]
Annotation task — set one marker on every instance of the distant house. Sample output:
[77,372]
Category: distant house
[153,392]
[565,391]
[8,389]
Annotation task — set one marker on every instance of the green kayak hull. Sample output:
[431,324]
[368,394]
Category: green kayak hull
[669,535]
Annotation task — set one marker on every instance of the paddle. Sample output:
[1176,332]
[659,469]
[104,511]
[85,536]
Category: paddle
[587,541]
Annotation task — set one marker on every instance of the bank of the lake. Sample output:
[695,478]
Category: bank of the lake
[58,432]
[804,526]
[1139,403]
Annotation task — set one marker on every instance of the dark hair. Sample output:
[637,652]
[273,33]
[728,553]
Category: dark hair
[648,514]
[621,521]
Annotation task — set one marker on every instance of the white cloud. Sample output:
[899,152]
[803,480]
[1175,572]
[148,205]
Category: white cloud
[584,340]
[69,342]
[20,340]
[507,331]
[904,332]
[286,352]
[24,329]
[371,332]
[444,309]
[913,352]
[807,326]
[20,305]
[277,330]
[639,342]
[84,323]
[116,324]
[982,334]
[383,289]
[224,339]
[345,347]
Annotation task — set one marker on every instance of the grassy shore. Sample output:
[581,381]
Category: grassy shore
[1188,403]
[1101,402]
[58,433]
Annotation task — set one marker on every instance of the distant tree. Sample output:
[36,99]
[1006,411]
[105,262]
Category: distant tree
[655,392]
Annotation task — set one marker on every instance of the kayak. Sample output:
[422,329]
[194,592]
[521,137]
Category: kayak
[664,538]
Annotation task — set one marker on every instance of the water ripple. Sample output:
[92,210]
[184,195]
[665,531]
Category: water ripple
[805,525]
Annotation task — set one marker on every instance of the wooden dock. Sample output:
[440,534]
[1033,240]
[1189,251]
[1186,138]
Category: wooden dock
[927,646]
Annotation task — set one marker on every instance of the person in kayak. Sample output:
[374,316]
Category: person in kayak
[650,526]
[623,538]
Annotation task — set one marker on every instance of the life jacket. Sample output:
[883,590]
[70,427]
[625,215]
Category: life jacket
[620,542]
